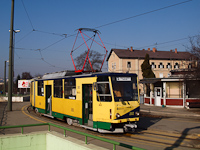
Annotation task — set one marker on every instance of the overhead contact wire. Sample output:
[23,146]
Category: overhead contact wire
[143,14]
[27,14]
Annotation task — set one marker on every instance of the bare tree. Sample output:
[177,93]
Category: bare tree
[26,75]
[194,48]
[38,75]
[16,83]
[95,59]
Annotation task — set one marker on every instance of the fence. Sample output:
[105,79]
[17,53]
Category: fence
[74,131]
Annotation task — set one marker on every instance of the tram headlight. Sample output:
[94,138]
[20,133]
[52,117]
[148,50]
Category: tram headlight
[137,113]
[118,115]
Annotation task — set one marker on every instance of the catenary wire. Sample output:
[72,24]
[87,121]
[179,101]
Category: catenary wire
[165,42]
[100,26]
[27,14]
[25,36]
[143,14]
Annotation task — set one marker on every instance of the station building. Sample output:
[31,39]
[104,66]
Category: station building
[162,62]
[168,88]
[175,91]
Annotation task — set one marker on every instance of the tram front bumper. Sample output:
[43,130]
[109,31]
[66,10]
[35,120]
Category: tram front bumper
[125,120]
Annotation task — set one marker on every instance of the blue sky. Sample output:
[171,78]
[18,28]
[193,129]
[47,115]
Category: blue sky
[64,17]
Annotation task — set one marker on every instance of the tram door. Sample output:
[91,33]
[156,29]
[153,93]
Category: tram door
[48,109]
[87,104]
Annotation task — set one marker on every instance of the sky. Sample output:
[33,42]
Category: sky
[48,29]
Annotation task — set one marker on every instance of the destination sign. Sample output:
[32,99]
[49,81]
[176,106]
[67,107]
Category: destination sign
[123,78]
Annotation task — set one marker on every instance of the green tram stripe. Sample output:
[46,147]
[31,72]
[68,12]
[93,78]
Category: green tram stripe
[96,124]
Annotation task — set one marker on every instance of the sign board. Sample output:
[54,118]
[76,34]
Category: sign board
[24,83]
[123,78]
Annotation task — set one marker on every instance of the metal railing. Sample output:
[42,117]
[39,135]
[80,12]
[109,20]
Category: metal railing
[74,131]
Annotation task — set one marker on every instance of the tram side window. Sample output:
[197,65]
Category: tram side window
[58,88]
[40,88]
[70,88]
[104,92]
[102,78]
[135,92]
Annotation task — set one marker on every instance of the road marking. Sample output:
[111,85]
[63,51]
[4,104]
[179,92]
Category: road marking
[175,119]
[143,142]
[174,135]
[30,115]
[155,139]
[22,109]
[136,141]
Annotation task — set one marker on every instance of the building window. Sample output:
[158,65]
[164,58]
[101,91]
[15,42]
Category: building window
[113,66]
[153,65]
[176,66]
[40,88]
[169,66]
[161,65]
[189,66]
[128,64]
[70,88]
[58,88]
[160,75]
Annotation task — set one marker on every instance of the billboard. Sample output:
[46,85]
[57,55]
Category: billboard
[24,83]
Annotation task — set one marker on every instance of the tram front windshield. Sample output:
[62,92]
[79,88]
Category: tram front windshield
[125,88]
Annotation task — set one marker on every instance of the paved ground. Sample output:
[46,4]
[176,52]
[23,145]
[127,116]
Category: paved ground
[146,110]
[159,118]
[2,111]
[193,113]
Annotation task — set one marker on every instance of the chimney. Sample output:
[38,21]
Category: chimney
[131,49]
[176,50]
[171,50]
[154,50]
[127,48]
[143,49]
[149,49]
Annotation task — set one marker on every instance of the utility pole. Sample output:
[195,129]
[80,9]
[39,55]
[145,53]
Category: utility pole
[10,76]
[4,87]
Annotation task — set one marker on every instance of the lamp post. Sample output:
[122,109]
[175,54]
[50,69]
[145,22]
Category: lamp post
[13,53]
[4,87]
[10,76]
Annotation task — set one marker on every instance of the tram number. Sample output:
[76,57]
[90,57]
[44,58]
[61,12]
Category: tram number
[131,114]
[123,78]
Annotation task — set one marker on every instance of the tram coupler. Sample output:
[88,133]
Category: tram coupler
[130,127]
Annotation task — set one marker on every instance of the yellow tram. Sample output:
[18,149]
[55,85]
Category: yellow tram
[103,102]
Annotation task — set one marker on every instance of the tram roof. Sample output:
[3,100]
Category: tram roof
[64,74]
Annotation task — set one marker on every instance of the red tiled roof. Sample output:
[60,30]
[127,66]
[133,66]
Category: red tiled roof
[166,55]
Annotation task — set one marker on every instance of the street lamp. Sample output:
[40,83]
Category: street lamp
[4,87]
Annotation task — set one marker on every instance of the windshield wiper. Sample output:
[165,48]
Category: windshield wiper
[122,101]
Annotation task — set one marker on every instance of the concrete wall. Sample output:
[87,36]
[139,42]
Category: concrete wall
[43,141]
[16,99]
[23,142]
